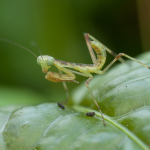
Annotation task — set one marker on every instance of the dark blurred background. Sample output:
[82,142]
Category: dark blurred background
[57,27]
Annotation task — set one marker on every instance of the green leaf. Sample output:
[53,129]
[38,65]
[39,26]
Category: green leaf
[123,94]
[46,126]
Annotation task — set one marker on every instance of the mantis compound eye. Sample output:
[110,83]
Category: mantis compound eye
[50,61]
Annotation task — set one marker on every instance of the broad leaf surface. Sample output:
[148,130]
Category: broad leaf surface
[124,96]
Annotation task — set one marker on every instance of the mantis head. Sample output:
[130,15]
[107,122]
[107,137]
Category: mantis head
[46,62]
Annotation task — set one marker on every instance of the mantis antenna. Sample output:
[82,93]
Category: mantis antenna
[35,44]
[8,41]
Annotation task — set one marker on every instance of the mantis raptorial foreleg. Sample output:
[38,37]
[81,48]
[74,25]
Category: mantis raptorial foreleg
[59,77]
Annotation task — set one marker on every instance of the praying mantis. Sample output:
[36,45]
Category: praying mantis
[85,70]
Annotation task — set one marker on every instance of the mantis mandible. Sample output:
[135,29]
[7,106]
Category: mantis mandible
[85,70]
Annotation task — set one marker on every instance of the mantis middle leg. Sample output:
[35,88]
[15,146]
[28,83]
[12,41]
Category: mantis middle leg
[66,89]
[87,85]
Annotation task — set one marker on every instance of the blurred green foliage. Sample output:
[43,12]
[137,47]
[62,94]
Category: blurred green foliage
[58,27]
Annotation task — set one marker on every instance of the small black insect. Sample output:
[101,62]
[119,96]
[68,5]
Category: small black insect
[92,114]
[61,105]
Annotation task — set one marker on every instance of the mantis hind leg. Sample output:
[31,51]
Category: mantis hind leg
[117,57]
[86,36]
[106,48]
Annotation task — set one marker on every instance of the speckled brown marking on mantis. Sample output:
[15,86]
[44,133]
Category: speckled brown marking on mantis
[83,69]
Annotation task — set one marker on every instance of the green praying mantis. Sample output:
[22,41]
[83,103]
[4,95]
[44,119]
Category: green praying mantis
[85,70]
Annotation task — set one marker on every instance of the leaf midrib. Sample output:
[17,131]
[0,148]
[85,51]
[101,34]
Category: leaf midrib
[116,124]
